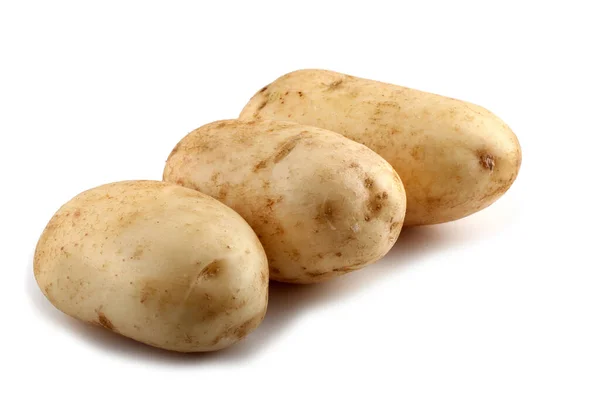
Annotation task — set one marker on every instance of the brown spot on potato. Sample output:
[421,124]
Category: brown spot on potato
[264,277]
[300,94]
[326,214]
[127,219]
[487,161]
[146,293]
[48,287]
[241,330]
[105,322]
[279,230]
[295,255]
[247,326]
[335,84]
[497,192]
[211,271]
[77,214]
[262,105]
[368,183]
[271,202]
[417,153]
[215,177]
[261,165]
[353,165]
[343,269]
[263,89]
[137,254]
[317,274]
[375,203]
[394,226]
[187,338]
[223,190]
[367,217]
[286,148]
[338,254]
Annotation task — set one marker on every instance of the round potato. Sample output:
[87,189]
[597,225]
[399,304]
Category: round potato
[159,263]
[454,158]
[322,205]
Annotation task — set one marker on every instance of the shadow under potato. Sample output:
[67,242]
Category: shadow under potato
[286,302]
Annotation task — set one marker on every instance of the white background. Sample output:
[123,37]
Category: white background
[504,304]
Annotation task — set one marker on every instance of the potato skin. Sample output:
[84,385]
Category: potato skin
[454,158]
[321,205]
[158,263]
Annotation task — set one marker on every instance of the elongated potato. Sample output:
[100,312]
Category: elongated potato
[454,158]
[322,205]
[159,263]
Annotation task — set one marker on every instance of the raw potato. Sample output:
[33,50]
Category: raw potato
[454,158]
[159,263]
[322,205]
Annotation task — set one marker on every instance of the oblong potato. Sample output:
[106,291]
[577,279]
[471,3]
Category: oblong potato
[322,205]
[454,158]
[156,262]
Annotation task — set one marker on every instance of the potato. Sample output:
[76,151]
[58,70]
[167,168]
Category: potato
[454,158]
[158,263]
[322,205]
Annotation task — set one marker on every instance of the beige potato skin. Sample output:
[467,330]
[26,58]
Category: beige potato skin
[158,263]
[321,205]
[454,158]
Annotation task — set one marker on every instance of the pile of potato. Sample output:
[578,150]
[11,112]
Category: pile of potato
[315,179]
